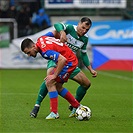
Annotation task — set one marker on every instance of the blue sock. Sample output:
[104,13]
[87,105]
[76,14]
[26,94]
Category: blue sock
[63,92]
[53,94]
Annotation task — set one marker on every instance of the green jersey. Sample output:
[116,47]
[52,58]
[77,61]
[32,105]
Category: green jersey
[74,41]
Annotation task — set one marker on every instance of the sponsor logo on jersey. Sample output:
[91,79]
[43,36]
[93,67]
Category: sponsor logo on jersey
[74,43]
[66,75]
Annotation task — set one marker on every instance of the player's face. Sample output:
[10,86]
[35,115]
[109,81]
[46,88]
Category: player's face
[31,51]
[82,28]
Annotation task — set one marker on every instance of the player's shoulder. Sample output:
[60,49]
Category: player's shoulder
[70,26]
[86,35]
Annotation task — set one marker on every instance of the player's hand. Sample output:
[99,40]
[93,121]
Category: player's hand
[63,37]
[50,78]
[94,73]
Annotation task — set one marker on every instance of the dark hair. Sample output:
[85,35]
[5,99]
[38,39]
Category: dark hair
[26,43]
[87,20]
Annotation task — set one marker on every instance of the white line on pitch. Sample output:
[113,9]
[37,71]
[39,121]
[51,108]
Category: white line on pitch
[115,75]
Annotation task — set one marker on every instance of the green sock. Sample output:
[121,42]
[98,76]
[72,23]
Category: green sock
[80,93]
[42,93]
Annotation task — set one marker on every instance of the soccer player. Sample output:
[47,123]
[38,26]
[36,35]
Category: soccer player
[66,62]
[76,40]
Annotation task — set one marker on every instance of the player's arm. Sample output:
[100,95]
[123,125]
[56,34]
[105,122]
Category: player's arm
[83,54]
[56,57]
[60,28]
[86,62]
[61,62]
[59,67]
[85,58]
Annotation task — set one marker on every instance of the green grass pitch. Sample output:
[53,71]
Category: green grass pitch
[109,97]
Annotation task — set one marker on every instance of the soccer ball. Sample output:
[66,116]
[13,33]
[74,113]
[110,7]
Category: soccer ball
[83,113]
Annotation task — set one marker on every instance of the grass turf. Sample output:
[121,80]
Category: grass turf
[109,97]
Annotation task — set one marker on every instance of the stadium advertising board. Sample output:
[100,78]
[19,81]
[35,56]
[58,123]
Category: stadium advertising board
[85,3]
[110,32]
[4,36]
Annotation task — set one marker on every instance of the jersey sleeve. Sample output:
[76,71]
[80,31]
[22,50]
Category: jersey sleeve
[85,59]
[60,26]
[83,48]
[51,55]
[83,53]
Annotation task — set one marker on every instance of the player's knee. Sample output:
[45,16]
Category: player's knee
[49,84]
[87,85]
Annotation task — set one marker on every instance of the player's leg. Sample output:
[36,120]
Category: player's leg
[41,95]
[42,92]
[53,95]
[84,82]
[84,85]
[54,99]
[63,92]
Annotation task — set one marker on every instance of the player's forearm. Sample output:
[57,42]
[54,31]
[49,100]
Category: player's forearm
[89,68]
[86,62]
[61,63]
[60,27]
[85,59]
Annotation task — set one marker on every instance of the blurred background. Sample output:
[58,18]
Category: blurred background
[110,37]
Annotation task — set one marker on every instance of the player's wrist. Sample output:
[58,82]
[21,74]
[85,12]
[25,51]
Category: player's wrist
[62,31]
[55,75]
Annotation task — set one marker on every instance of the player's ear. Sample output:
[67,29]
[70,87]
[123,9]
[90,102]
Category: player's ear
[33,46]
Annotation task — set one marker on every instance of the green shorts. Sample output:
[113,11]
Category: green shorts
[73,74]
[51,63]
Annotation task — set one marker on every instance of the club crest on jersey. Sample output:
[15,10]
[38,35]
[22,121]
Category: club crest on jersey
[51,56]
